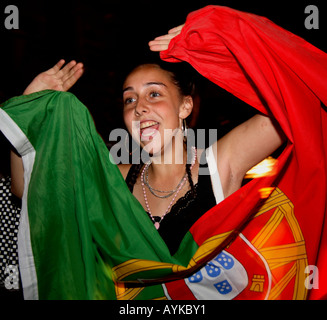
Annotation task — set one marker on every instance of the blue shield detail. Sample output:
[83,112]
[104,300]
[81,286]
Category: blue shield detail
[223,287]
[212,270]
[196,277]
[225,260]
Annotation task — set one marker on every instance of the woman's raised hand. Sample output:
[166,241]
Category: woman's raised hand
[161,43]
[57,78]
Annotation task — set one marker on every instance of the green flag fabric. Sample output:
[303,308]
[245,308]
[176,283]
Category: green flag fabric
[78,218]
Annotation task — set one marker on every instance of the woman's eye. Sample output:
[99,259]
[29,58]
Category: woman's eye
[129,100]
[154,94]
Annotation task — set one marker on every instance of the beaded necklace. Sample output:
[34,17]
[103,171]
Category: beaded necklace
[153,190]
[178,188]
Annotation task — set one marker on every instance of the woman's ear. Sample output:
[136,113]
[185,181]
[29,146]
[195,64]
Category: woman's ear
[186,107]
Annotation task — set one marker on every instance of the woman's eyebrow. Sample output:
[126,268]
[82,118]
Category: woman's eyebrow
[127,89]
[155,83]
[146,85]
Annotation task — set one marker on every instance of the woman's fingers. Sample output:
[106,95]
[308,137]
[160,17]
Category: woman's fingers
[69,74]
[66,69]
[168,36]
[57,66]
[72,77]
[176,29]
[161,43]
[71,70]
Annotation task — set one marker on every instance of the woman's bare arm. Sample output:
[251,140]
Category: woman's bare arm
[244,147]
[17,175]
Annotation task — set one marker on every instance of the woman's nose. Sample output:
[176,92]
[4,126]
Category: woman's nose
[141,108]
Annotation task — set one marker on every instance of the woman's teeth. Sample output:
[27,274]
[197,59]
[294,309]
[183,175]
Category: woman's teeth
[147,124]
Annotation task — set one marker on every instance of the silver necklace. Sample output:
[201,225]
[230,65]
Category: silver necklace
[153,190]
[157,223]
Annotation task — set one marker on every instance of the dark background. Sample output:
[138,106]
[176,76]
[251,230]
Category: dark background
[110,36]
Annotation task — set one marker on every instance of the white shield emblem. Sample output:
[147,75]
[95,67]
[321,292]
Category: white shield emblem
[223,278]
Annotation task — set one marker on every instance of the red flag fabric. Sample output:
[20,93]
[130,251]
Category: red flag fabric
[281,241]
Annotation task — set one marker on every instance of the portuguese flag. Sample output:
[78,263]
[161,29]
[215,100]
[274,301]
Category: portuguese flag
[83,235]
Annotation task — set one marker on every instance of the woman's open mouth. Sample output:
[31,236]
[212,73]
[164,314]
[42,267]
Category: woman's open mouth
[148,129]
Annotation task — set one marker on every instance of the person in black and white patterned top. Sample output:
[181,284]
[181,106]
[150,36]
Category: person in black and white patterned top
[9,222]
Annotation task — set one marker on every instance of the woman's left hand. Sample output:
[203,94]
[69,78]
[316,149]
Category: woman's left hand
[57,78]
[161,43]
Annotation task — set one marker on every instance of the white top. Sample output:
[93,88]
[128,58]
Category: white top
[214,175]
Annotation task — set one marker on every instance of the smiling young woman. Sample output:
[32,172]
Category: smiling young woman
[158,97]
[156,102]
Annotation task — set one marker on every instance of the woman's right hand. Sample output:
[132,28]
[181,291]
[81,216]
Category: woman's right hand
[57,78]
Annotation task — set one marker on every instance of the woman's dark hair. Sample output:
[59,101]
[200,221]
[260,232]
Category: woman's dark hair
[182,74]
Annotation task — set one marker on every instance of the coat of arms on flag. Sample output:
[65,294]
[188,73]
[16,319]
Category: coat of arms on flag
[266,261]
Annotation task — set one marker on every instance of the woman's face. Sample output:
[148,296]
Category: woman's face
[152,105]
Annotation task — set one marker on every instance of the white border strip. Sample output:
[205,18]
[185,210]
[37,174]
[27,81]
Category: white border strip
[214,175]
[25,253]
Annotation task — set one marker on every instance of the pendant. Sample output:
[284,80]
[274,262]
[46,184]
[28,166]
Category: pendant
[157,225]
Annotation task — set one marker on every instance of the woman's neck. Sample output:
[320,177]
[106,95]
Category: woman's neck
[171,161]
